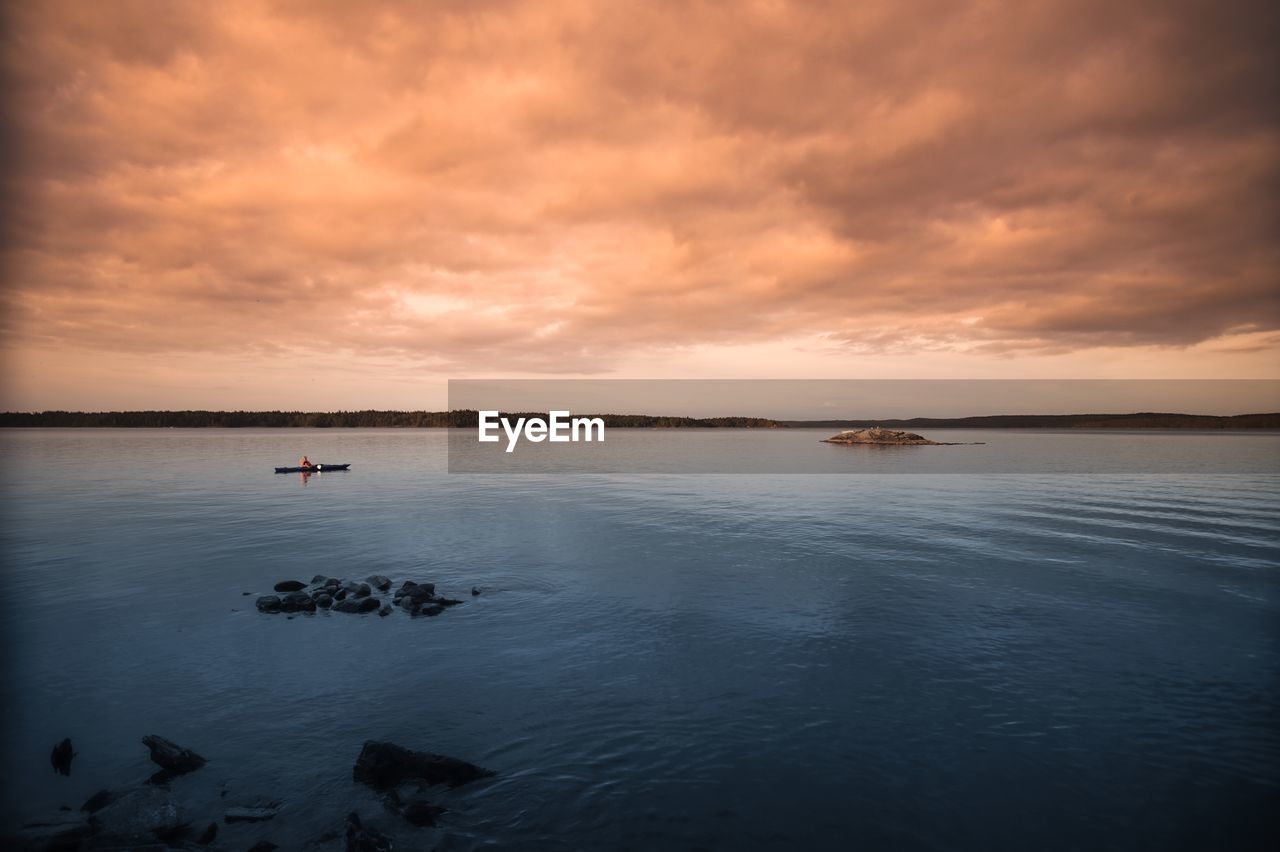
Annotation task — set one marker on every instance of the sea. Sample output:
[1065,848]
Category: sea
[853,655]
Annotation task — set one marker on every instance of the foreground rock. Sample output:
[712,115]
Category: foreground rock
[414,807]
[143,814]
[364,838]
[62,830]
[62,756]
[172,757]
[877,435]
[99,800]
[385,766]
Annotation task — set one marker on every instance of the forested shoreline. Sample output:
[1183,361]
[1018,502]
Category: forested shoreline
[371,419]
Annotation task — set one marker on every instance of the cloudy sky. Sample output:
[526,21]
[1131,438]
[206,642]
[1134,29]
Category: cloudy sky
[332,205]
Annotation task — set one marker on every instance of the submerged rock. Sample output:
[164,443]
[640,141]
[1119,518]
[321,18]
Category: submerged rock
[98,801]
[208,835]
[61,757]
[171,756]
[364,838]
[384,765]
[877,435]
[268,603]
[249,814]
[290,586]
[379,582]
[144,812]
[422,813]
[60,830]
[319,580]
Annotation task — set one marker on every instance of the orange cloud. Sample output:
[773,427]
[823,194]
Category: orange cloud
[562,186]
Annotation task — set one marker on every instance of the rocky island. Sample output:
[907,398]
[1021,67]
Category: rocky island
[877,435]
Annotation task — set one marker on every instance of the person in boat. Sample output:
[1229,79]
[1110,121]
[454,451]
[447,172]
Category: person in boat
[305,462]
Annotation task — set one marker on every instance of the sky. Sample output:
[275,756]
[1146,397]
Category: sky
[328,205]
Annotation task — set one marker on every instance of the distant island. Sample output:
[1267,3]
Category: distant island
[468,419]
[878,436]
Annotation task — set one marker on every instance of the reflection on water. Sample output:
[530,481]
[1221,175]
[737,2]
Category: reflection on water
[908,662]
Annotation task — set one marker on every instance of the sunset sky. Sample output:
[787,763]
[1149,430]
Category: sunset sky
[328,205]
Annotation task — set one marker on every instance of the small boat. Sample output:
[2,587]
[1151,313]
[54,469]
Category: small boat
[315,468]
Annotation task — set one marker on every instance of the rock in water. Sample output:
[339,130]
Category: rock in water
[268,603]
[208,835]
[142,812]
[364,838]
[379,582]
[98,801]
[386,765]
[61,757]
[877,435]
[297,602]
[423,591]
[249,814]
[290,586]
[421,813]
[357,605]
[62,830]
[171,756]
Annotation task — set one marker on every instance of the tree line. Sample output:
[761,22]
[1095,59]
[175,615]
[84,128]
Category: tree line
[369,419]
[466,418]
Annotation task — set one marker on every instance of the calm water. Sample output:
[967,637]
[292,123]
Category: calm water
[659,662]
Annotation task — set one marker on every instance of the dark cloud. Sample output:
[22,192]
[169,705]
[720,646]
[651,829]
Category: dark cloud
[564,185]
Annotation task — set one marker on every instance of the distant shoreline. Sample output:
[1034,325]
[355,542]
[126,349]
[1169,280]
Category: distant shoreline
[468,419]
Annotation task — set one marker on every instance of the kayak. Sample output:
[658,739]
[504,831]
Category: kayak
[315,468]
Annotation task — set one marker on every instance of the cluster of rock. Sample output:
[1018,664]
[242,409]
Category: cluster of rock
[150,817]
[878,435]
[339,595]
[138,817]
